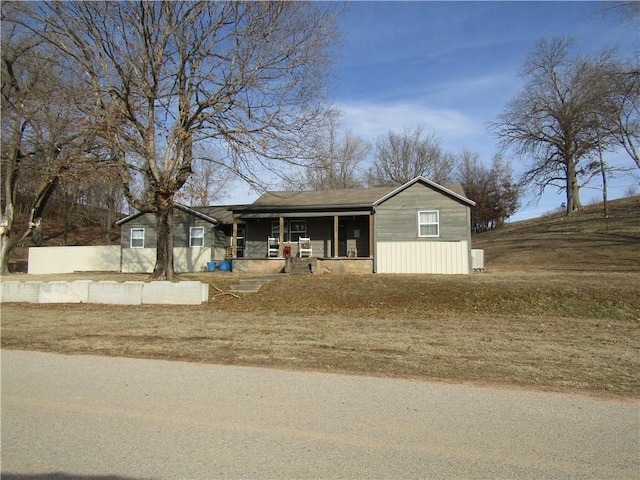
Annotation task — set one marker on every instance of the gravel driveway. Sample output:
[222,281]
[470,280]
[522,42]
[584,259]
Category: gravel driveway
[87,417]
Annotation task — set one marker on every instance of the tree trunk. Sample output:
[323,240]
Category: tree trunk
[164,250]
[8,241]
[573,188]
[603,172]
[7,245]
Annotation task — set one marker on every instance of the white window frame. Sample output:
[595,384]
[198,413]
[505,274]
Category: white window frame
[193,236]
[429,224]
[132,237]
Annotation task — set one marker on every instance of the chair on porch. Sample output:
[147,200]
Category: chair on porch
[304,247]
[273,247]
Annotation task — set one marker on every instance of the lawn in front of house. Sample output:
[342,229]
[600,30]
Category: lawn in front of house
[549,329]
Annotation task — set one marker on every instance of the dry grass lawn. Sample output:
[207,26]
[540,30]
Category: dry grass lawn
[529,323]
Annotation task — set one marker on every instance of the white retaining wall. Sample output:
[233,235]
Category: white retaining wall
[104,258]
[109,292]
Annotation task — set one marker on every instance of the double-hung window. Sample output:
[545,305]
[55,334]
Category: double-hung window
[137,238]
[429,223]
[196,236]
[297,228]
[293,230]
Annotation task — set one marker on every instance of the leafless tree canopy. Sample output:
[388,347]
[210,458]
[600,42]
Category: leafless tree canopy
[336,159]
[556,122]
[400,157]
[246,77]
[46,134]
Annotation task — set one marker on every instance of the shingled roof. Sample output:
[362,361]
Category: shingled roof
[354,197]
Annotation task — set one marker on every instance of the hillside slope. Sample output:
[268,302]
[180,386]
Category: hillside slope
[582,241]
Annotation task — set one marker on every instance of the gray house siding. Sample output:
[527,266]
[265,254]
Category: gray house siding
[181,230]
[396,219]
[146,221]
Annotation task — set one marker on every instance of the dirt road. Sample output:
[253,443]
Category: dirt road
[84,417]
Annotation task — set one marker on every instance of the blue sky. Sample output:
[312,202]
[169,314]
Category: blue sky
[453,66]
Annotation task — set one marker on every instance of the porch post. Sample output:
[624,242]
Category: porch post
[335,236]
[234,239]
[281,238]
[371,235]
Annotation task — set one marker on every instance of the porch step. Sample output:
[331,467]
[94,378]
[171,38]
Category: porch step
[300,265]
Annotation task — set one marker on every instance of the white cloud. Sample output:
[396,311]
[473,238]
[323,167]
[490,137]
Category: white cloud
[369,120]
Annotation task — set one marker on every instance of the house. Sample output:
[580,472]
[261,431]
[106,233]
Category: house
[419,227]
[200,236]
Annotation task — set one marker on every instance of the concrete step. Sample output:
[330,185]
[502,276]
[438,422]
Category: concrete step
[300,265]
[252,285]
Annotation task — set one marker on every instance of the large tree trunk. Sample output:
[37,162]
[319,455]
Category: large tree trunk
[9,242]
[164,255]
[573,188]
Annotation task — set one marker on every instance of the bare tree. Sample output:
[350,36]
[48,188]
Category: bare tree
[209,182]
[492,188]
[247,77]
[551,121]
[626,12]
[400,157]
[336,159]
[45,134]
[618,88]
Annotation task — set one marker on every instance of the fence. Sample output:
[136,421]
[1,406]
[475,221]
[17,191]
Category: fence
[112,258]
[74,259]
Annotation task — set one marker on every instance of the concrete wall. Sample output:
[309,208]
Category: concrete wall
[352,265]
[108,292]
[74,259]
[266,266]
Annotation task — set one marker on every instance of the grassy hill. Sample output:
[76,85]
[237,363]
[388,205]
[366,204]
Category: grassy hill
[584,241]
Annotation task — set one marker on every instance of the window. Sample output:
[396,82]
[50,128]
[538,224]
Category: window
[298,229]
[275,229]
[137,238]
[196,236]
[293,230]
[428,223]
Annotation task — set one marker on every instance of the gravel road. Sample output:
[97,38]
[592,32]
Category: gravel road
[87,417]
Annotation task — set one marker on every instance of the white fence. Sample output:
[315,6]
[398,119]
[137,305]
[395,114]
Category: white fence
[74,259]
[112,258]
[422,257]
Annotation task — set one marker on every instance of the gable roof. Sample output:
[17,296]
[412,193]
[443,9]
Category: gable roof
[454,190]
[193,211]
[348,198]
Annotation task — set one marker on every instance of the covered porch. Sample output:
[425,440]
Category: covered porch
[272,235]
